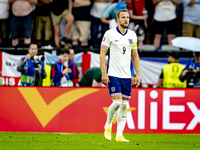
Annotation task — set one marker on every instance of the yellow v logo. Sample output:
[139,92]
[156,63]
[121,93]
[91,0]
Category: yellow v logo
[45,113]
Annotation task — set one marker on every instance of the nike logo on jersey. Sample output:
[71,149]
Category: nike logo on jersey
[116,40]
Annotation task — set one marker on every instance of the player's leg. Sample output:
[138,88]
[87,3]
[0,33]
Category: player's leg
[112,111]
[122,113]
[115,93]
[121,121]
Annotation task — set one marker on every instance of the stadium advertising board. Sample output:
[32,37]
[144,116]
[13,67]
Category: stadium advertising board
[84,110]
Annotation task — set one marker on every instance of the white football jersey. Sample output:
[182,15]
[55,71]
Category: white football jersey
[119,54]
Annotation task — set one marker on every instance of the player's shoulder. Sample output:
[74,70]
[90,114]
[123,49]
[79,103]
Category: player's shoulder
[132,32]
[111,31]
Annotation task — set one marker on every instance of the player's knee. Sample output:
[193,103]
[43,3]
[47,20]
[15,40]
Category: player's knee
[117,103]
[124,105]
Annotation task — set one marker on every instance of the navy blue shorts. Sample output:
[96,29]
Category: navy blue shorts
[120,86]
[18,23]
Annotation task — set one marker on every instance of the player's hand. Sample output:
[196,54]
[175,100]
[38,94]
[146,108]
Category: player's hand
[105,79]
[137,81]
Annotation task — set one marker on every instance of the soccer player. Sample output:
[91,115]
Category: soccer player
[121,44]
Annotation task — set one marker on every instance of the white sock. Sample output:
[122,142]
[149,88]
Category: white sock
[112,111]
[121,118]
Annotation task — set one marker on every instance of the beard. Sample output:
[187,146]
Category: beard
[125,26]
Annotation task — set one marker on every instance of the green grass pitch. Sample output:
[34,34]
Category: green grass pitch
[58,141]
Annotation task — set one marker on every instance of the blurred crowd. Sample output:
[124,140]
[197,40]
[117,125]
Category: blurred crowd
[64,72]
[83,22]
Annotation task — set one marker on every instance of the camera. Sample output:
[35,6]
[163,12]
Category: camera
[37,79]
[38,58]
[191,77]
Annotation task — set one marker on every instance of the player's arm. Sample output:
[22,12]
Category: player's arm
[104,77]
[136,63]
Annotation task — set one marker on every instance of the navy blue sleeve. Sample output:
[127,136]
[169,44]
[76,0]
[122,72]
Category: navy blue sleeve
[56,75]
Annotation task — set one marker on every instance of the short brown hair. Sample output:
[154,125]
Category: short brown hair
[64,50]
[121,10]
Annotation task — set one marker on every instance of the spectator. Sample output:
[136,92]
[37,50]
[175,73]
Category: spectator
[80,31]
[61,9]
[22,17]
[75,70]
[191,73]
[169,77]
[4,14]
[62,70]
[164,17]
[110,13]
[191,18]
[92,77]
[96,13]
[43,22]
[28,66]
[138,14]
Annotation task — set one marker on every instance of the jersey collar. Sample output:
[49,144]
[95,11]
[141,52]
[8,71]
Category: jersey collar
[120,32]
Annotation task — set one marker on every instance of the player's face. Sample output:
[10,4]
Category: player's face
[33,50]
[123,19]
[64,57]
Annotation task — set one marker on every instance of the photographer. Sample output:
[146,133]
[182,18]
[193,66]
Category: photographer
[31,68]
[191,73]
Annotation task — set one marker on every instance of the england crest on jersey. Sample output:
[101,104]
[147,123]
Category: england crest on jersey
[130,41]
[113,89]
